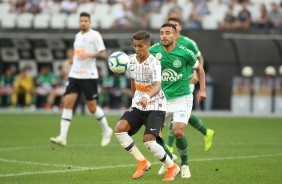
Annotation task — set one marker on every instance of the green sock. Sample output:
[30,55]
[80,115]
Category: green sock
[170,135]
[161,142]
[182,146]
[198,124]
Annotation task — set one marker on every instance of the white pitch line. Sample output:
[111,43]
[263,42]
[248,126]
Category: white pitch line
[120,166]
[94,146]
[41,164]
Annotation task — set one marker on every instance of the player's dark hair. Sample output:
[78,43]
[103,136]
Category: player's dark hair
[169,25]
[142,35]
[84,14]
[175,19]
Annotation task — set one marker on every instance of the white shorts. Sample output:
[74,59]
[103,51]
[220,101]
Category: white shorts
[192,87]
[179,109]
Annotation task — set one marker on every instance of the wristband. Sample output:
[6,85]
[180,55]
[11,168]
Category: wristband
[147,96]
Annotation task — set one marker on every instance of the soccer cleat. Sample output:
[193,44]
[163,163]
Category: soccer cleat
[208,139]
[163,169]
[59,140]
[171,172]
[185,171]
[142,166]
[106,138]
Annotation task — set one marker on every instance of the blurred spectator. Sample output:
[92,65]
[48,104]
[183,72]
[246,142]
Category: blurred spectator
[23,89]
[264,22]
[6,86]
[19,6]
[33,6]
[229,21]
[276,15]
[201,7]
[68,6]
[175,10]
[226,2]
[83,1]
[125,18]
[244,17]
[140,13]
[194,20]
[153,5]
[45,82]
[46,6]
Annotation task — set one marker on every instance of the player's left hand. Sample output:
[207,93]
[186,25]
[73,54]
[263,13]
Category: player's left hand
[143,102]
[201,96]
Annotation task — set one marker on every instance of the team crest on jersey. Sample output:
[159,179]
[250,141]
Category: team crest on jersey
[159,55]
[177,63]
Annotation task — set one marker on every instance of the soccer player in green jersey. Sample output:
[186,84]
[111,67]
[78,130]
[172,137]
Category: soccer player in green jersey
[175,61]
[194,120]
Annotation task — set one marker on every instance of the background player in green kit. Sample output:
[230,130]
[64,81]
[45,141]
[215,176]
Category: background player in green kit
[175,60]
[194,120]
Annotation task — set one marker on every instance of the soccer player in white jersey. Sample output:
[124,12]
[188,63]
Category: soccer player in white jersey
[148,108]
[83,75]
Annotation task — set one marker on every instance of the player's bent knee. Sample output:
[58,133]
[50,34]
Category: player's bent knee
[178,133]
[92,109]
[122,126]
[149,137]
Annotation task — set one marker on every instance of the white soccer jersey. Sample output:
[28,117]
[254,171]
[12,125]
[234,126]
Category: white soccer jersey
[144,75]
[90,42]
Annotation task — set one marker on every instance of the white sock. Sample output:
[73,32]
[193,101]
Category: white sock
[159,152]
[65,122]
[102,119]
[127,143]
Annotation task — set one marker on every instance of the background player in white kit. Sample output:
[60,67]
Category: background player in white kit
[83,75]
[148,108]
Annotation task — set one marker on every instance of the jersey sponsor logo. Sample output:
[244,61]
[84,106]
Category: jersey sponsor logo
[159,55]
[79,51]
[177,63]
[143,88]
[170,75]
[152,129]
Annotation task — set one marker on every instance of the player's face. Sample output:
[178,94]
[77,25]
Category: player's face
[177,25]
[84,23]
[167,35]
[141,48]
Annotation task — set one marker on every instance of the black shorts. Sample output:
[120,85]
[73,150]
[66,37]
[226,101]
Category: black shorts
[152,120]
[87,86]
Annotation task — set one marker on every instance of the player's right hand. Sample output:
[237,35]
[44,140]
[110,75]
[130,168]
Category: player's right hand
[201,96]
[143,102]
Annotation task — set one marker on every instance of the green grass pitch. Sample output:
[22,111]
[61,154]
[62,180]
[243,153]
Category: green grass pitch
[245,150]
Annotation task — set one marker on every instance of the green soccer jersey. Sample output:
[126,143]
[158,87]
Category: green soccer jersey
[175,69]
[189,44]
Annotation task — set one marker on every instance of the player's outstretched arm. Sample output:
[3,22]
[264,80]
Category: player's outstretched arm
[202,81]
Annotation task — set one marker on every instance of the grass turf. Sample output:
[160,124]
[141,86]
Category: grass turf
[245,150]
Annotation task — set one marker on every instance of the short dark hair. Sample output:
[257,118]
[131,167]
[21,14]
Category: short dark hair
[169,25]
[84,14]
[142,35]
[176,19]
